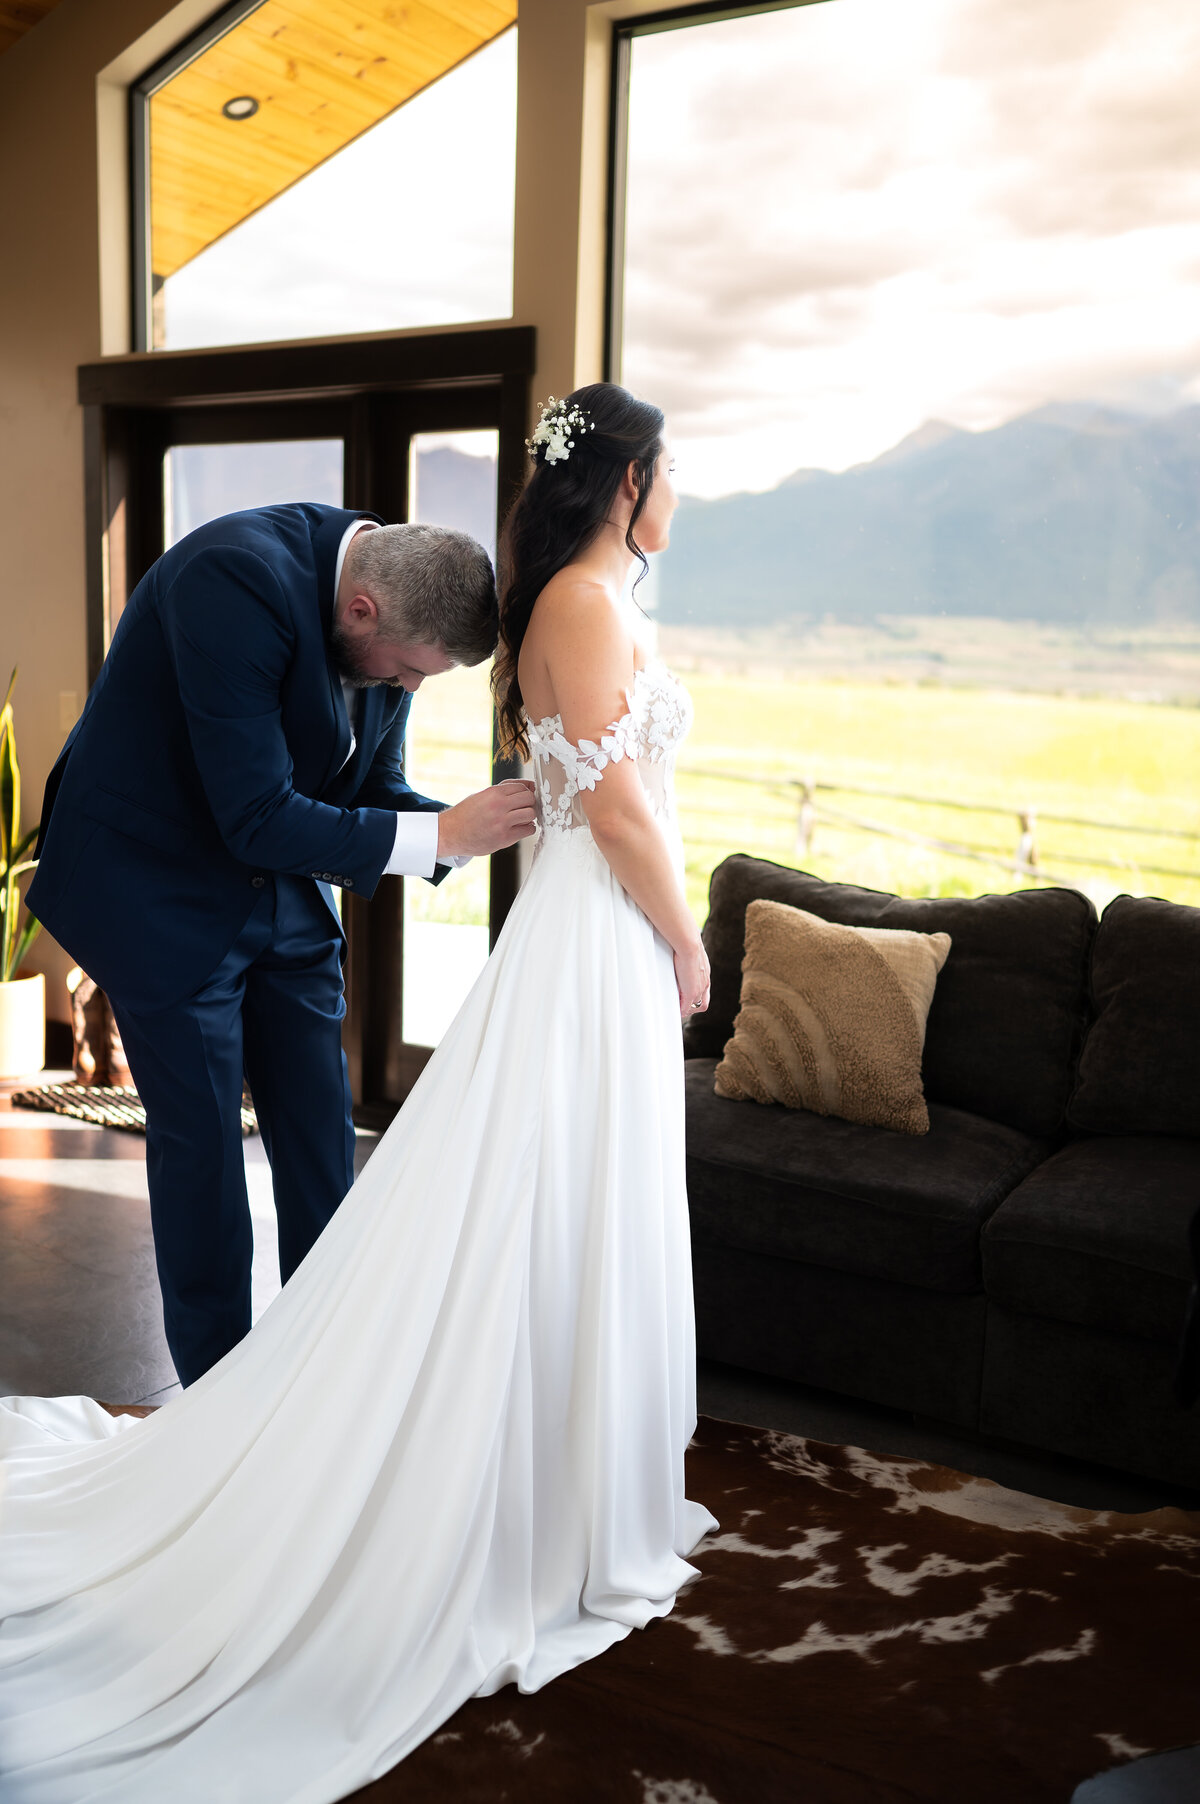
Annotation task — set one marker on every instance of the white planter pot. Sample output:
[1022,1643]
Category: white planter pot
[22,1026]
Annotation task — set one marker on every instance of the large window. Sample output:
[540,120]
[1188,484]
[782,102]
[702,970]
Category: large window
[919,288]
[304,171]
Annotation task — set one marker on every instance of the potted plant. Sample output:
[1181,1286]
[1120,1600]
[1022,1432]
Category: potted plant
[22,999]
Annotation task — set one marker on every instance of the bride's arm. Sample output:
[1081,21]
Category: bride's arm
[589,658]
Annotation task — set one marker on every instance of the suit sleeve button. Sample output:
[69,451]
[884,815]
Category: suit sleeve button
[257,882]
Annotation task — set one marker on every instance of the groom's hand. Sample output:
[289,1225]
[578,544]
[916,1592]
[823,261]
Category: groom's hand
[487,821]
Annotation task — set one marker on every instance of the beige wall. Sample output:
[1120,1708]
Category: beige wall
[562,176]
[64,259]
[50,322]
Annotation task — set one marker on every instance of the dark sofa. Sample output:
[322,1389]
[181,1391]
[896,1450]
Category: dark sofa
[1023,1269]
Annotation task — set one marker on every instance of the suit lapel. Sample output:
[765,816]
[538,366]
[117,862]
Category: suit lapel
[377,715]
[342,729]
[326,539]
[366,736]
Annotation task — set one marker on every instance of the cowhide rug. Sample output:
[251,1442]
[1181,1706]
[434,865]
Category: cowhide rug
[865,1630]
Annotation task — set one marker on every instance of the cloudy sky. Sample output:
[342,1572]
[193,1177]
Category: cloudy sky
[844,220]
[855,216]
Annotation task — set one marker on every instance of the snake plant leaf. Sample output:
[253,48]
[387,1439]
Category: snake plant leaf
[14,946]
[7,936]
[10,787]
[6,843]
[28,934]
[14,848]
[10,779]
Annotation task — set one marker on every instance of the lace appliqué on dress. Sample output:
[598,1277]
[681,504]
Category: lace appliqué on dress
[658,717]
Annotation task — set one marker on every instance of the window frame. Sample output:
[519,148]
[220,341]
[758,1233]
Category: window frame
[681,18]
[140,95]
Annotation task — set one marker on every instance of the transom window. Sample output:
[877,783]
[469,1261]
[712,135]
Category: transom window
[306,168]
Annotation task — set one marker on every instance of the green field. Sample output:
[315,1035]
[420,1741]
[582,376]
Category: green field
[1105,759]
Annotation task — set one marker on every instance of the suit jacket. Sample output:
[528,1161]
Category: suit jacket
[210,754]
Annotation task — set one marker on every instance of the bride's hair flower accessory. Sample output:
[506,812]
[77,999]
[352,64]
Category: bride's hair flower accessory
[554,431]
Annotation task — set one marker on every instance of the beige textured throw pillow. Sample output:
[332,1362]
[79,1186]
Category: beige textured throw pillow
[833,1018]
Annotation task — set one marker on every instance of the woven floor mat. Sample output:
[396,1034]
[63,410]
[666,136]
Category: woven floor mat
[102,1105]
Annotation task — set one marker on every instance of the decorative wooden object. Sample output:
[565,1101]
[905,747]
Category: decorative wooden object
[99,1057]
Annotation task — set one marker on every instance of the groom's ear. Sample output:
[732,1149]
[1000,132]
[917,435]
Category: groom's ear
[361,613]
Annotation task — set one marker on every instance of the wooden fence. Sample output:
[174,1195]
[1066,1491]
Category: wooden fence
[805,807]
[1023,861]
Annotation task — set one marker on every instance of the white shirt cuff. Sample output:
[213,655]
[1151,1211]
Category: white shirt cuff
[414,850]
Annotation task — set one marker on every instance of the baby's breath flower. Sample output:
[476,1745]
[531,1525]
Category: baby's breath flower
[553,430]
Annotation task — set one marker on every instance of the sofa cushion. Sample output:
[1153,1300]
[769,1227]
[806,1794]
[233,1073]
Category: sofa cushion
[1007,1017]
[1139,1072]
[832,1018]
[856,1199]
[1097,1236]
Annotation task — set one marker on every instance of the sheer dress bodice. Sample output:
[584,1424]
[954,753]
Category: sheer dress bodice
[655,725]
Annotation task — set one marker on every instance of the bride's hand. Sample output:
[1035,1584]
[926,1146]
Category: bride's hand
[693,979]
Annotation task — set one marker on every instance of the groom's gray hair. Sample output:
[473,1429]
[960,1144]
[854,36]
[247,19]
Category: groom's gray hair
[430,584]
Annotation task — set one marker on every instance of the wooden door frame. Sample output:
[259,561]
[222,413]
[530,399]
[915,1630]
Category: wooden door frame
[372,392]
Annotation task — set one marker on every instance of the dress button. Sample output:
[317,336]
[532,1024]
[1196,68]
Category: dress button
[257,882]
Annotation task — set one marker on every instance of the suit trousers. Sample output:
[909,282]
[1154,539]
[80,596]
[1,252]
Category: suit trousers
[271,1013]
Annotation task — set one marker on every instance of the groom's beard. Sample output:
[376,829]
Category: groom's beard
[349,655]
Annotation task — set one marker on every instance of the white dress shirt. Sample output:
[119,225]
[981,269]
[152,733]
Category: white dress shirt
[414,850]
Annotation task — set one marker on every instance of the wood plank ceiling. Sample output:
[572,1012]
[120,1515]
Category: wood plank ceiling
[321,72]
[19,16]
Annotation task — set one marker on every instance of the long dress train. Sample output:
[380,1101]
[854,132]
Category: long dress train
[450,1454]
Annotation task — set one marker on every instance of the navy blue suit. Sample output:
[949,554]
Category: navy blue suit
[193,826]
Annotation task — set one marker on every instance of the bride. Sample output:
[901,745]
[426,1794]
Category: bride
[450,1455]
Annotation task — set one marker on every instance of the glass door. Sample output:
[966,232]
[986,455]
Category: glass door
[219,465]
[452,482]
[430,431]
[417,949]
[202,482]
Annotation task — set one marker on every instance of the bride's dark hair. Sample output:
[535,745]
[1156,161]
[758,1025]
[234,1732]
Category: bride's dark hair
[557,515]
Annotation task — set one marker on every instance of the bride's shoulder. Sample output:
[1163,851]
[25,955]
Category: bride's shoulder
[576,608]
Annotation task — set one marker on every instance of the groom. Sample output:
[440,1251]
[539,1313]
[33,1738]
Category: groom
[240,753]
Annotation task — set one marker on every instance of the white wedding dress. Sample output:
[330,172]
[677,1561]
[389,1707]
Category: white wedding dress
[450,1455]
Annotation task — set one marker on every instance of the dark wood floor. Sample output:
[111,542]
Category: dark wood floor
[81,1313]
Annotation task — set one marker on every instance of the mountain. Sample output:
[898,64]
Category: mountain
[1075,513]
[453,488]
[933,432]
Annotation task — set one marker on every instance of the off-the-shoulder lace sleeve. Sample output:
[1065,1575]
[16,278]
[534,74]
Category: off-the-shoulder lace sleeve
[657,715]
[586,759]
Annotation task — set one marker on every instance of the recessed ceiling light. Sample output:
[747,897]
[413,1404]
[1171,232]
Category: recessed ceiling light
[242,106]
